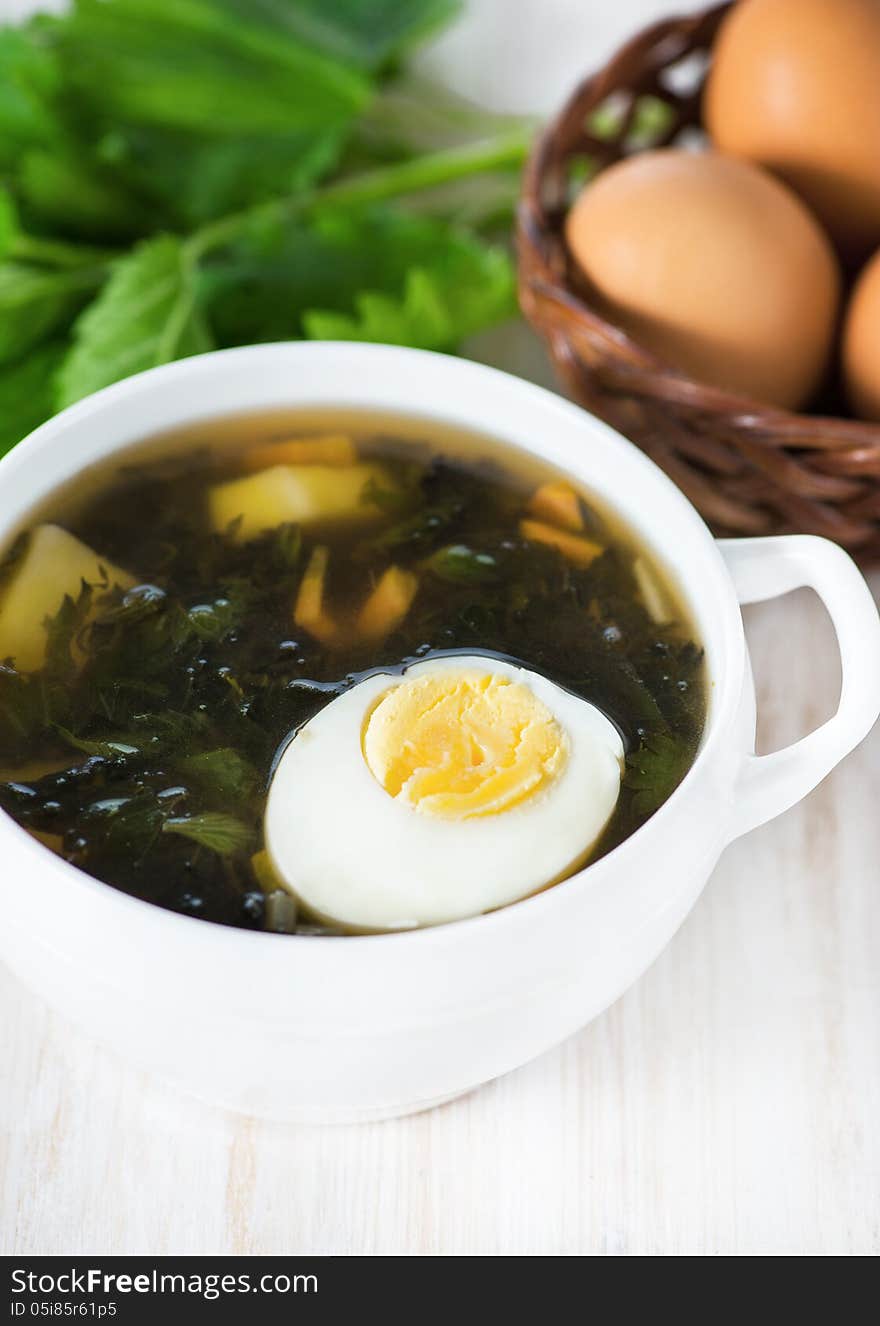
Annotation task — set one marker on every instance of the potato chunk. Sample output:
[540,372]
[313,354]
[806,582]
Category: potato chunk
[299,494]
[653,595]
[54,564]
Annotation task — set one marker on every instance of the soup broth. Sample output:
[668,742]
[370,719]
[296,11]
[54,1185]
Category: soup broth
[227,583]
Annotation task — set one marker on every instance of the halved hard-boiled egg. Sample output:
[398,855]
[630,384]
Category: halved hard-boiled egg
[461,785]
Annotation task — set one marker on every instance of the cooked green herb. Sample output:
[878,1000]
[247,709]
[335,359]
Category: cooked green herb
[654,771]
[462,565]
[421,529]
[109,749]
[223,772]
[223,834]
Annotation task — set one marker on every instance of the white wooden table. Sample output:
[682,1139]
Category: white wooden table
[727,1104]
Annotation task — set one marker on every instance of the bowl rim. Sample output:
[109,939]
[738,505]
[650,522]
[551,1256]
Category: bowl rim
[724,688]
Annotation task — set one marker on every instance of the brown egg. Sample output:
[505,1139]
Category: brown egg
[714,266]
[795,85]
[861,343]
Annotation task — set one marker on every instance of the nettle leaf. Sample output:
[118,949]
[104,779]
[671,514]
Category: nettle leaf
[111,748]
[462,565]
[290,278]
[8,221]
[135,605]
[190,178]
[29,80]
[223,772]
[419,530]
[654,771]
[366,33]
[127,823]
[203,66]
[63,629]
[437,309]
[219,833]
[213,621]
[27,393]
[286,546]
[168,731]
[146,315]
[26,706]
[62,189]
[36,302]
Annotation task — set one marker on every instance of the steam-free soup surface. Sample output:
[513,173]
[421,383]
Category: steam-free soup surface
[224,586]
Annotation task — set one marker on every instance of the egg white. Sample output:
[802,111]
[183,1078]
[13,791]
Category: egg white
[362,859]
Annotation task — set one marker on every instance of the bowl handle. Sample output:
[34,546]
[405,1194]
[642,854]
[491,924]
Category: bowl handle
[762,569]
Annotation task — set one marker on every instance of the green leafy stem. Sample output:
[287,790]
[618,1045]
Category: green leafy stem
[506,151]
[503,152]
[146,308]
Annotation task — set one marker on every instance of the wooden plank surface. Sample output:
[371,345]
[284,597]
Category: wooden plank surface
[727,1104]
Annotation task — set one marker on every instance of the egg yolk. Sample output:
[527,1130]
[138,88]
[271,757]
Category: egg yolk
[458,745]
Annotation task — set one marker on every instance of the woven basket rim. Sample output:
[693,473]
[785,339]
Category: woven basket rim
[685,390]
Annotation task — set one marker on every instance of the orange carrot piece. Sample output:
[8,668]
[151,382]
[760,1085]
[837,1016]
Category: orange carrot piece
[388,604]
[573,547]
[331,450]
[557,504]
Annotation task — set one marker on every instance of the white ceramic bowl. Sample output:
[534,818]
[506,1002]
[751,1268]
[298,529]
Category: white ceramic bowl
[329,1029]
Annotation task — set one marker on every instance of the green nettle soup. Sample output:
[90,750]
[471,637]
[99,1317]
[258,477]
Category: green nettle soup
[169,623]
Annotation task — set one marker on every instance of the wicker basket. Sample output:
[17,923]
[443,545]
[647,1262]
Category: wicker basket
[749,468]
